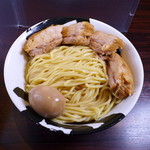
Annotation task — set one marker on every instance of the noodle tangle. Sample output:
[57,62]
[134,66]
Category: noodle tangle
[78,73]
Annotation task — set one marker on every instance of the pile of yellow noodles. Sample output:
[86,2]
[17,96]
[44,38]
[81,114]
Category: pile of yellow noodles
[78,73]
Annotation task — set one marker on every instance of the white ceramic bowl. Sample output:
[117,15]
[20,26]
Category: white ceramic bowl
[14,79]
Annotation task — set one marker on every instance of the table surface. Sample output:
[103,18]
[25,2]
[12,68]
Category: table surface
[132,133]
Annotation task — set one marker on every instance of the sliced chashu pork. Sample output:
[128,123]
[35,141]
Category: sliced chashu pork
[77,34]
[44,40]
[104,43]
[120,77]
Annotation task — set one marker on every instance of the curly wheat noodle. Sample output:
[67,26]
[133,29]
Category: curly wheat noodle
[78,73]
